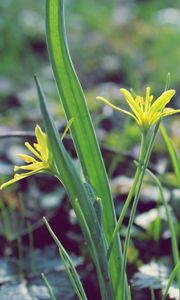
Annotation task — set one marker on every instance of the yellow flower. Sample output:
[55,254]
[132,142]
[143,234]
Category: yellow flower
[146,112]
[39,163]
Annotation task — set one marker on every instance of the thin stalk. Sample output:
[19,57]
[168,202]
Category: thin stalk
[174,242]
[13,219]
[49,288]
[65,258]
[75,286]
[21,255]
[136,199]
[129,198]
[22,211]
[92,248]
[5,221]
[172,152]
[31,248]
[152,294]
[171,278]
[129,293]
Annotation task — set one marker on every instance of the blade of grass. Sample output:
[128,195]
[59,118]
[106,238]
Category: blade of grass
[5,220]
[73,275]
[172,152]
[49,288]
[171,278]
[152,294]
[174,241]
[31,248]
[83,133]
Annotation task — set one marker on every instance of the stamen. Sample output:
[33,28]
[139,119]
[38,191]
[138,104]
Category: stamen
[139,100]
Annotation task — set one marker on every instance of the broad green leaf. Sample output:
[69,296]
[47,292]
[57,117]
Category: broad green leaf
[83,133]
[75,188]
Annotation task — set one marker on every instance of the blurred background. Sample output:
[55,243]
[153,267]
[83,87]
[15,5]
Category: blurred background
[113,44]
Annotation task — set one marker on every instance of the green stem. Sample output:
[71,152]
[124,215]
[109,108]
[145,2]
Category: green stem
[152,294]
[21,255]
[70,276]
[174,243]
[5,221]
[144,159]
[88,236]
[73,275]
[171,278]
[129,198]
[172,152]
[31,249]
[49,288]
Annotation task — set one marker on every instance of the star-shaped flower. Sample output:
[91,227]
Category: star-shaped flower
[146,112]
[42,160]
[39,163]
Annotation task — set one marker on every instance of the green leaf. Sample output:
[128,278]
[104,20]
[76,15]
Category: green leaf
[68,264]
[83,133]
[172,152]
[75,188]
[49,288]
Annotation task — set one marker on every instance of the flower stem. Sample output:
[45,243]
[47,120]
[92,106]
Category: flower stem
[143,164]
[129,198]
[174,243]
[171,278]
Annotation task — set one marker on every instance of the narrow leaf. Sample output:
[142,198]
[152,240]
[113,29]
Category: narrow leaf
[50,291]
[73,275]
[83,133]
[67,174]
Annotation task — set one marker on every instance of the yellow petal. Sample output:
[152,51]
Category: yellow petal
[30,148]
[37,147]
[169,111]
[116,107]
[41,138]
[31,167]
[26,158]
[131,102]
[154,118]
[16,178]
[162,101]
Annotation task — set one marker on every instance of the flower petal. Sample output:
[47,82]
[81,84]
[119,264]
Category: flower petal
[26,158]
[132,103]
[169,111]
[116,107]
[16,178]
[162,101]
[31,167]
[30,148]
[41,138]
